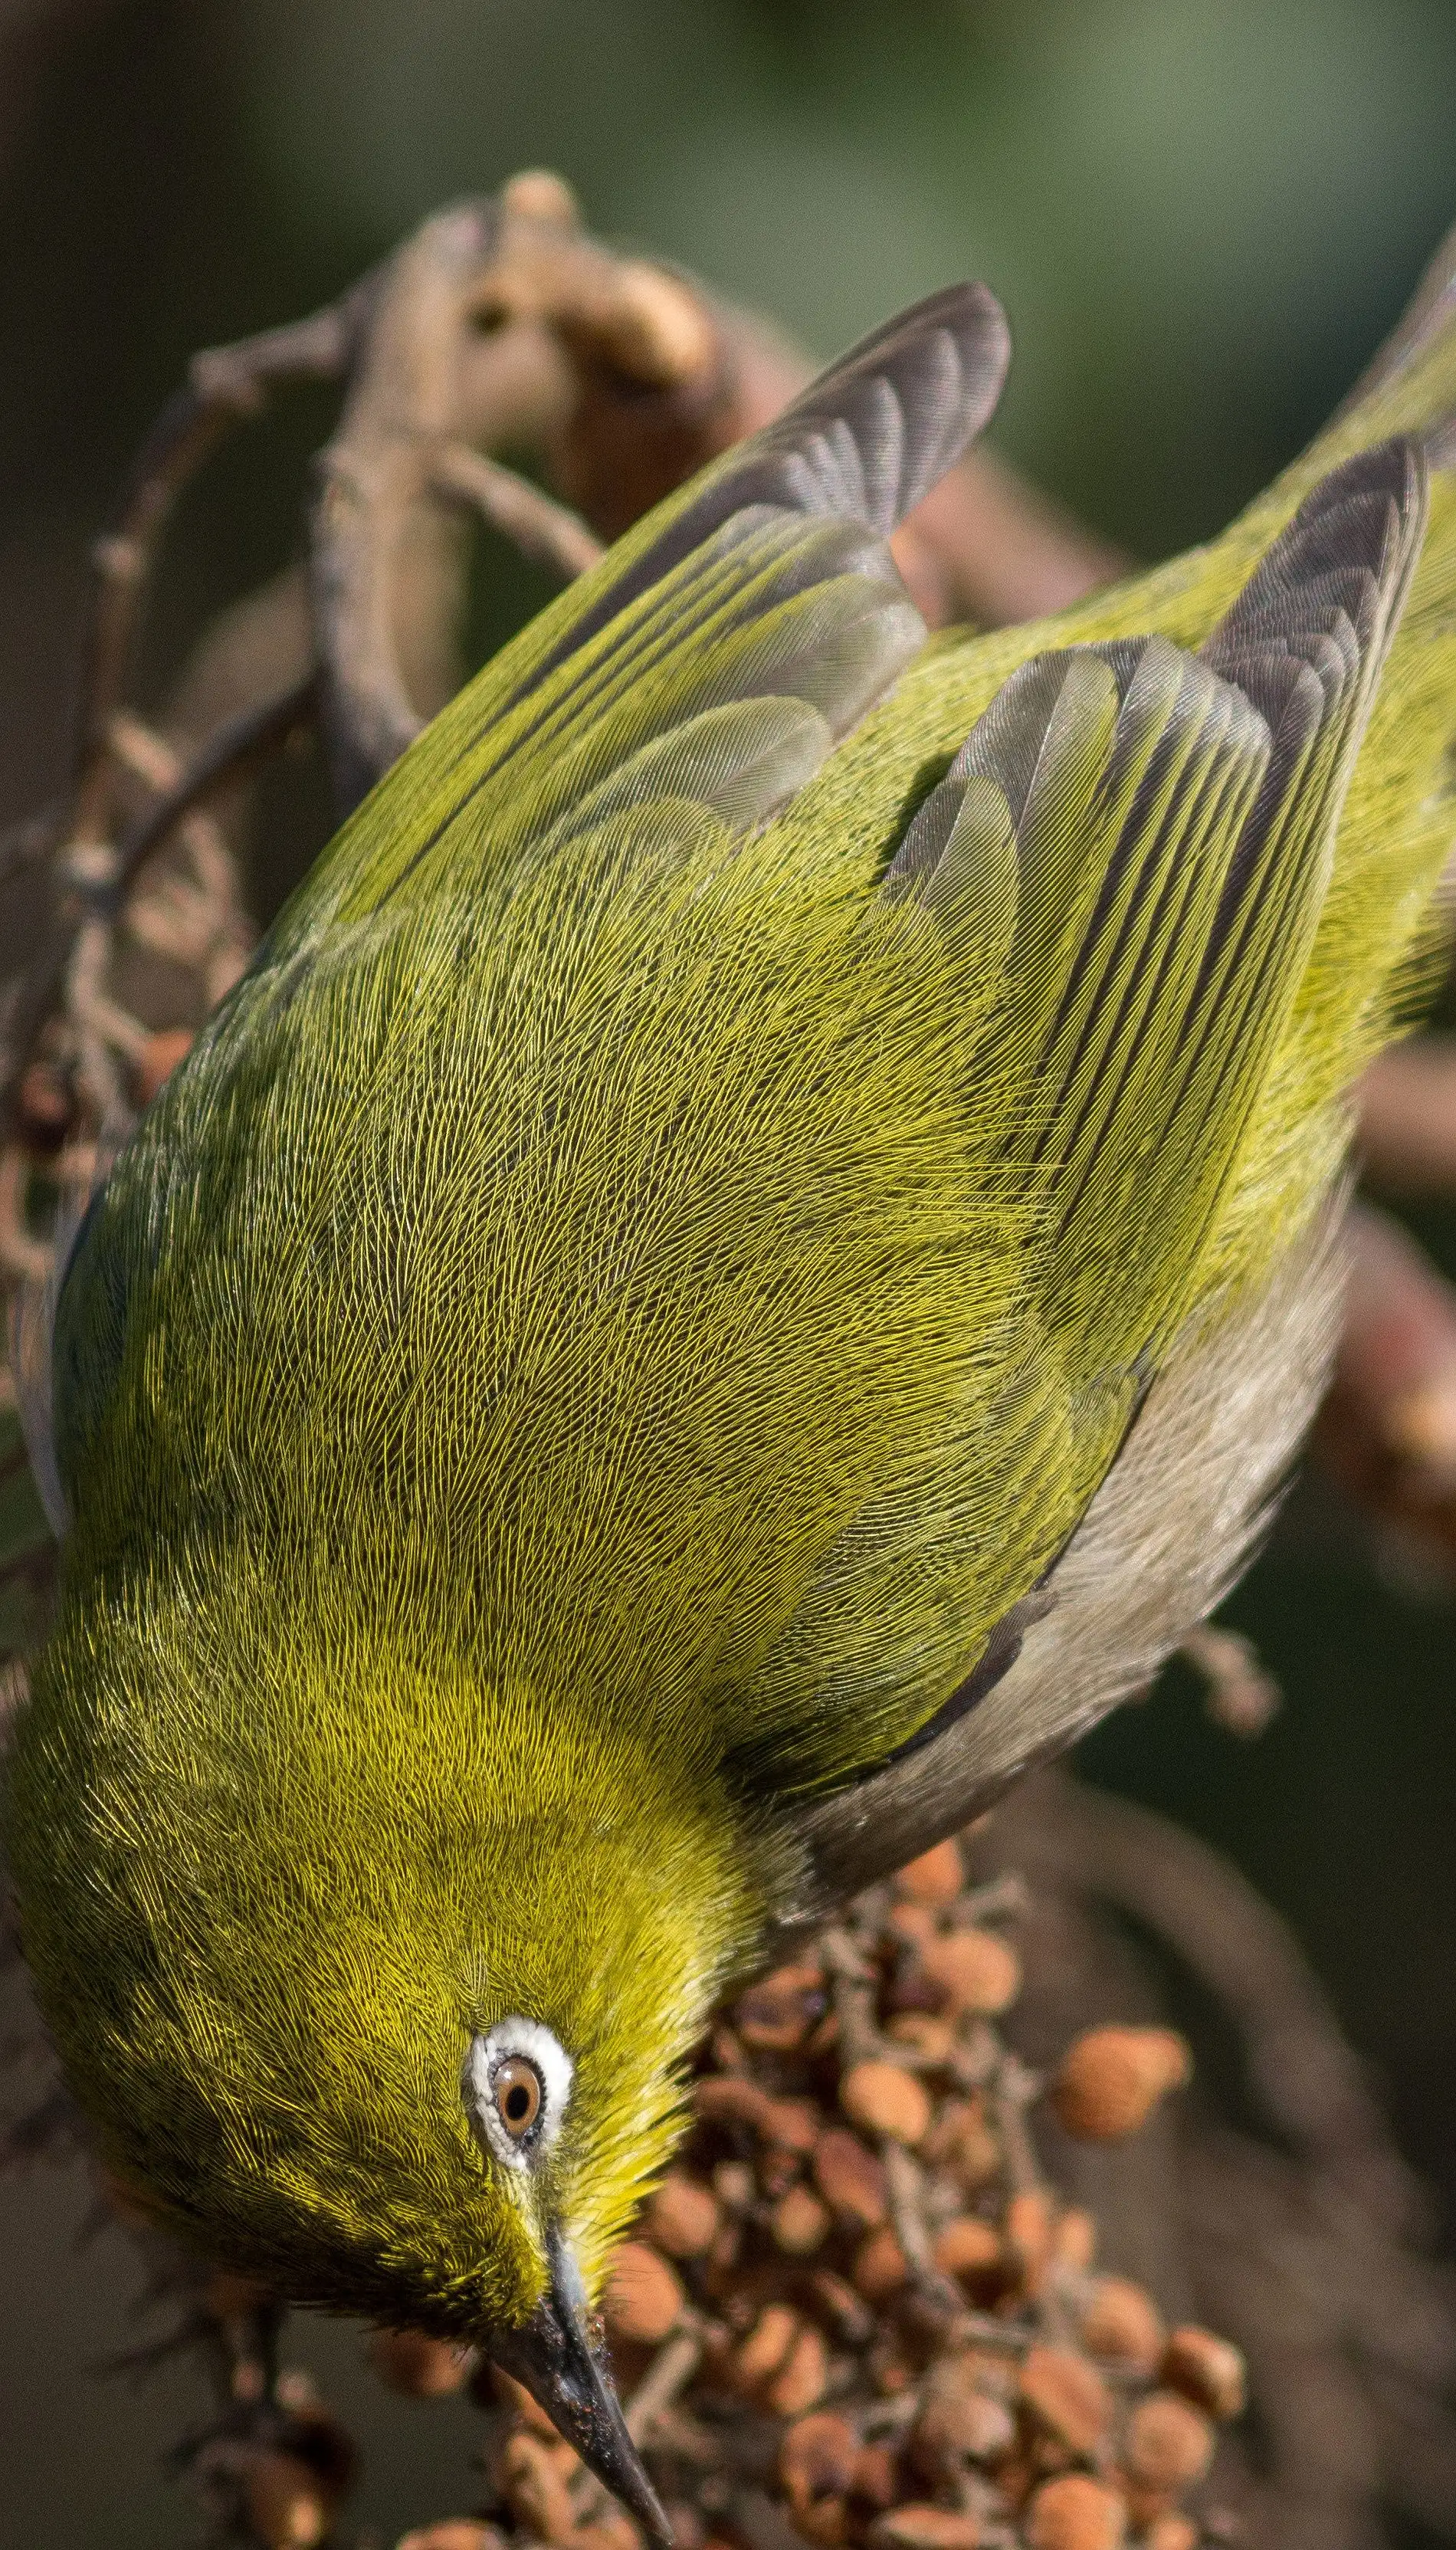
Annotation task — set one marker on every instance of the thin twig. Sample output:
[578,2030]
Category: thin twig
[21,1255]
[1012,2088]
[224,383]
[852,1996]
[251,736]
[669,2373]
[386,567]
[1003,1899]
[540,526]
[905,2188]
[161,767]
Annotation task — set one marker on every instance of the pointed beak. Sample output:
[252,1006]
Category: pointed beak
[555,2361]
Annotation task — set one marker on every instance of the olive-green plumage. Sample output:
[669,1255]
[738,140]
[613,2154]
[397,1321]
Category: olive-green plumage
[765,1201]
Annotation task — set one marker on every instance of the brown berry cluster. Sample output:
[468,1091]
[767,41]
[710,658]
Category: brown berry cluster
[854,2314]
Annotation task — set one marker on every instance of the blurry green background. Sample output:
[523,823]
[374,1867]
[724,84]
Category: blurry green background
[1202,216]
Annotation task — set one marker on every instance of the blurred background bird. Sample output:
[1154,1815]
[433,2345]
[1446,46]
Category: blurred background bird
[746,1260]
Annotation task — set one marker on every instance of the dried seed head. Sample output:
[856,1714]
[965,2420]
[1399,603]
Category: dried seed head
[936,1877]
[1113,2077]
[1075,2513]
[792,2124]
[158,1059]
[652,326]
[876,2480]
[825,2524]
[286,2505]
[1075,2238]
[816,2458]
[1171,2533]
[801,2223]
[850,2178]
[891,2370]
[924,2527]
[43,1108]
[539,195]
[684,2217]
[1420,1428]
[839,2305]
[1066,2397]
[1029,2235]
[689,2531]
[1169,2444]
[1208,2370]
[766,2347]
[723,2255]
[979,1974]
[886,2101]
[970,2249]
[534,2476]
[913,1924]
[959,2423]
[802,2378]
[1124,2323]
[643,2301]
[732,2185]
[881,2266]
[728,2099]
[931,2039]
[611,2529]
[777,2171]
[491,2383]
[456,2532]
[962,2141]
[417,2366]
[778,2014]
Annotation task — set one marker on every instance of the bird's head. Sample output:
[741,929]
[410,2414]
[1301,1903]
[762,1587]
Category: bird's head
[376,1981]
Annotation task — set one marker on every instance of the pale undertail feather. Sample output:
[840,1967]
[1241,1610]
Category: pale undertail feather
[1169,1531]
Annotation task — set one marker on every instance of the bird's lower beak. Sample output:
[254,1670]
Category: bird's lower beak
[555,2361]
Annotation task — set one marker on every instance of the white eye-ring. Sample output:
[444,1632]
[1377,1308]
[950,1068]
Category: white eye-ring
[517,2080]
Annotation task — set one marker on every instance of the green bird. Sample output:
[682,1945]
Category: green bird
[747,1257]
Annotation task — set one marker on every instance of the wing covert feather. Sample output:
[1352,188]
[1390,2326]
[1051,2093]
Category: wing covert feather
[769,576]
[695,679]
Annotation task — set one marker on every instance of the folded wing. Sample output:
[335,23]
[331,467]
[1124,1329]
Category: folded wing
[1137,842]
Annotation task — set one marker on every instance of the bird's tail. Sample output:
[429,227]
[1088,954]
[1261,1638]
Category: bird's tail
[1386,929]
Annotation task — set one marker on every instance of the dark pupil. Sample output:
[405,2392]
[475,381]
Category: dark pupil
[518,2104]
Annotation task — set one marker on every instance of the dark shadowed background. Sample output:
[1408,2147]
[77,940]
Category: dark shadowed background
[1202,216]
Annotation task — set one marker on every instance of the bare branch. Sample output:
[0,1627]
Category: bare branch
[224,383]
[985,546]
[252,736]
[540,526]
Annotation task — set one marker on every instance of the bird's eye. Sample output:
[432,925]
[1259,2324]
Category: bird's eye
[516,2080]
[516,2092]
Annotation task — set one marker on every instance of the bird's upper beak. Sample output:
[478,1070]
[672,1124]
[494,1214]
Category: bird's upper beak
[555,2361]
